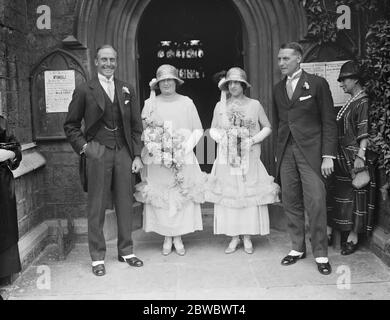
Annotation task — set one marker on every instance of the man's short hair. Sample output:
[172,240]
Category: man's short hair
[105,46]
[293,45]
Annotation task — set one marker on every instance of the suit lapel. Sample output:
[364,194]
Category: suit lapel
[97,92]
[119,94]
[284,91]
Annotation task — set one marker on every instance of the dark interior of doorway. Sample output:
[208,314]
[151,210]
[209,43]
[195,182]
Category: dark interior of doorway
[215,23]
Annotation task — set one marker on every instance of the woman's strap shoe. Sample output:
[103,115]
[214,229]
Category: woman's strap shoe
[133,261]
[289,259]
[99,270]
[166,251]
[248,250]
[248,246]
[233,245]
[229,250]
[167,246]
[324,268]
[180,251]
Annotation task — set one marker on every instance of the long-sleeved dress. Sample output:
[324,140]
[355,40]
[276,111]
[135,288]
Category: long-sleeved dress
[9,236]
[169,209]
[349,208]
[240,197]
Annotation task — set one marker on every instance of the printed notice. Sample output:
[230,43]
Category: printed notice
[330,71]
[59,86]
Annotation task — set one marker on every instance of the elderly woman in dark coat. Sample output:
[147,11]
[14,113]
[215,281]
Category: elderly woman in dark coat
[10,157]
[351,208]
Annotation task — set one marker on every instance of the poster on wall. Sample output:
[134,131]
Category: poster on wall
[330,71]
[59,87]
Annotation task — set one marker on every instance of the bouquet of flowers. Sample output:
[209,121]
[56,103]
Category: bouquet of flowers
[152,137]
[165,146]
[238,133]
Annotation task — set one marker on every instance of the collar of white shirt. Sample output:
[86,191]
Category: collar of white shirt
[294,74]
[104,79]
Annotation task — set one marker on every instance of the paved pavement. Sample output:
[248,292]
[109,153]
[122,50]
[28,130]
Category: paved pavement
[205,272]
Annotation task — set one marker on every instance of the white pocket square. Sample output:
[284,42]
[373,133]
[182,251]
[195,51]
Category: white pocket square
[304,98]
[127,101]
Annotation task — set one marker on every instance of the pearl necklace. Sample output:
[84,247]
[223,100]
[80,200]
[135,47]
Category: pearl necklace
[343,109]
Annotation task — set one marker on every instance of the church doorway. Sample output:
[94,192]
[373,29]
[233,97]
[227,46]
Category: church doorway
[200,38]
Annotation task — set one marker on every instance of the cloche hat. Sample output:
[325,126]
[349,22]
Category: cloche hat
[348,70]
[234,74]
[165,71]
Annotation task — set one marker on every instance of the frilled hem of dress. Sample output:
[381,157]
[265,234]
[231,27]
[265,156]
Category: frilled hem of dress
[260,194]
[162,196]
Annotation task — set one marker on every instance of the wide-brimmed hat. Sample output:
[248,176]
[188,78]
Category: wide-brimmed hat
[234,74]
[350,69]
[165,71]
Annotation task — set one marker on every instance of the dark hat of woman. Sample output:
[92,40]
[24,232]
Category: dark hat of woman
[350,69]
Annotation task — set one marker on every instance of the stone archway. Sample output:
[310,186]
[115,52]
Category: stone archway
[266,24]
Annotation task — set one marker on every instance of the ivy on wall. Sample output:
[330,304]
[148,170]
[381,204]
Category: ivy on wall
[322,16]
[321,22]
[376,65]
[375,14]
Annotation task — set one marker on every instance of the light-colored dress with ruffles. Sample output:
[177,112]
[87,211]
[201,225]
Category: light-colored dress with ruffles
[168,209]
[240,200]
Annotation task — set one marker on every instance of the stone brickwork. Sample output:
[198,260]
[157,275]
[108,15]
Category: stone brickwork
[42,42]
[63,193]
[31,205]
[15,68]
[54,190]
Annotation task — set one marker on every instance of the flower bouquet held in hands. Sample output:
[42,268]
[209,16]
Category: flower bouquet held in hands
[165,146]
[238,133]
[152,138]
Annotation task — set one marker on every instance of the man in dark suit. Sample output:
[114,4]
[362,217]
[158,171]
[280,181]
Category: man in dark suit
[111,143]
[305,120]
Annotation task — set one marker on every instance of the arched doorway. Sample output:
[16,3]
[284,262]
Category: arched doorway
[265,25]
[200,38]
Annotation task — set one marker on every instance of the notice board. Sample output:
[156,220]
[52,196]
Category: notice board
[330,71]
[53,82]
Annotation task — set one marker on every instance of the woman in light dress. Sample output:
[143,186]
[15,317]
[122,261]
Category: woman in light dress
[240,188]
[171,198]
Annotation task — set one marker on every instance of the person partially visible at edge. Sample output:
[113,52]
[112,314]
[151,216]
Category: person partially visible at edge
[351,210]
[111,143]
[306,145]
[10,158]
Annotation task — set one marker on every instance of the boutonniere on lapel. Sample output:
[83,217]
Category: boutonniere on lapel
[126,93]
[306,86]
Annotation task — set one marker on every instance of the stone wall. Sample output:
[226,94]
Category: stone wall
[63,193]
[15,67]
[54,190]
[31,204]
[63,15]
